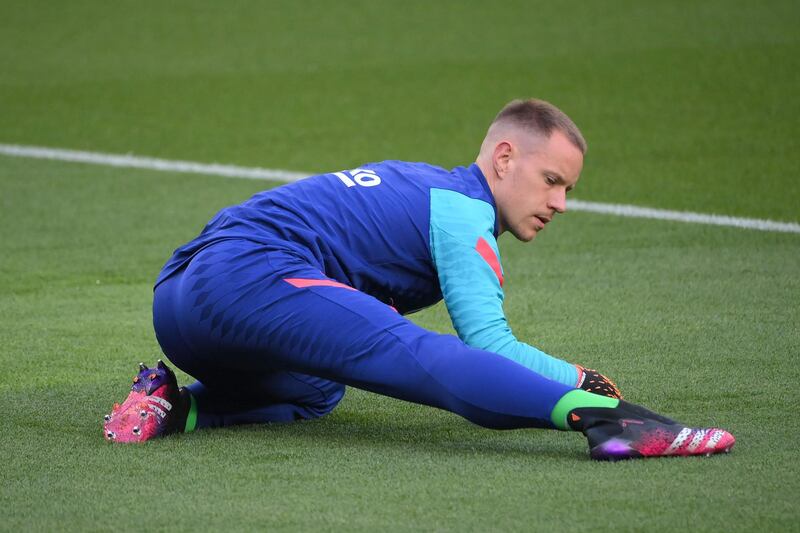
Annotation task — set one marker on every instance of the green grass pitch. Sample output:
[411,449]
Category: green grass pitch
[685,105]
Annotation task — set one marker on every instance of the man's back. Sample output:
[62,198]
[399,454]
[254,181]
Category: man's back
[369,228]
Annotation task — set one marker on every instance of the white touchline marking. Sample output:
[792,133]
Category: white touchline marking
[682,216]
[150,163]
[234,171]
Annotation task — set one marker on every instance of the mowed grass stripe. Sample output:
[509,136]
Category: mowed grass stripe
[235,171]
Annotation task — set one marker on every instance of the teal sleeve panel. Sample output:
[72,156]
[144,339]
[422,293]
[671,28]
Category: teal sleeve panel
[462,245]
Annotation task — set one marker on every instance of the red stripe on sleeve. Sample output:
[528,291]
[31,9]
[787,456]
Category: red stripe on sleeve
[490,257]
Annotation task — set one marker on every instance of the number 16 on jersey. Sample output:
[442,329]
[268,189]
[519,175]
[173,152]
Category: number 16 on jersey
[359,176]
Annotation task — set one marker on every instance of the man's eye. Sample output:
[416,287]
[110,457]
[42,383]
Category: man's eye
[551,180]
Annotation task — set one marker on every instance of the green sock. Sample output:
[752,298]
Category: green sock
[191,417]
[575,399]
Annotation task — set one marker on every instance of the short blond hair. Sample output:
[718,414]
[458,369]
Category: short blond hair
[541,118]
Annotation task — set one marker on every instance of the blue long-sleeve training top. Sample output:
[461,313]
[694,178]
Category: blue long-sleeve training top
[408,234]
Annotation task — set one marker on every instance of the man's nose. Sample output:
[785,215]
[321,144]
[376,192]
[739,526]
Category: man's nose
[558,201]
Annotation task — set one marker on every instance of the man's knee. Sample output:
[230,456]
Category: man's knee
[328,401]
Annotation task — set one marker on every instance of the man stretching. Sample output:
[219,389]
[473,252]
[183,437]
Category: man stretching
[284,300]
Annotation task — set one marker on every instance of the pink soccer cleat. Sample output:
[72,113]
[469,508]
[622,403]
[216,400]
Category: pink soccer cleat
[153,408]
[630,431]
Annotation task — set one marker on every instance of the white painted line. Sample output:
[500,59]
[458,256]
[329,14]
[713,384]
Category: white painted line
[233,171]
[150,163]
[682,216]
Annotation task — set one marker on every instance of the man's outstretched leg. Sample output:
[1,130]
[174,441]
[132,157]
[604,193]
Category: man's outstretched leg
[262,309]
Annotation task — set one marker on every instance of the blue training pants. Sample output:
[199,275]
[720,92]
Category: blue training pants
[270,338]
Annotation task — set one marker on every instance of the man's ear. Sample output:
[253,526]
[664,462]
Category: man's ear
[501,157]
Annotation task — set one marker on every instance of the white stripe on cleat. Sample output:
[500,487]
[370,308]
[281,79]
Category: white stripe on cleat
[678,442]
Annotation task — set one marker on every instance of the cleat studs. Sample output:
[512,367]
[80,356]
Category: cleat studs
[136,430]
[136,379]
[142,367]
[152,376]
[111,435]
[161,364]
[107,417]
[143,413]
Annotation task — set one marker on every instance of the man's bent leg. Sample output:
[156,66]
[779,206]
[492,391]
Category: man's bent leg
[225,395]
[277,397]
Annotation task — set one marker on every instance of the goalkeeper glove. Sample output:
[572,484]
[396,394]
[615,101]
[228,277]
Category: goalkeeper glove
[595,382]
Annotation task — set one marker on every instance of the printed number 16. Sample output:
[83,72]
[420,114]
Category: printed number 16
[365,178]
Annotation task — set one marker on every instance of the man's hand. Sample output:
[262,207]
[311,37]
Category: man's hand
[595,382]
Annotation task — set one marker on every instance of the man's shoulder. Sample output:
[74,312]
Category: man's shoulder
[464,179]
[408,168]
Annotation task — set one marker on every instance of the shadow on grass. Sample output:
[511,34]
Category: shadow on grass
[428,435]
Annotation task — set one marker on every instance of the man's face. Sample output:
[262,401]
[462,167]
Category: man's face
[534,178]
